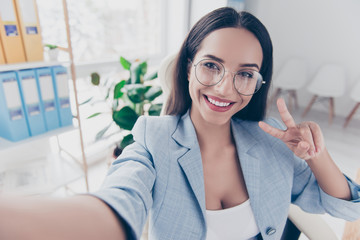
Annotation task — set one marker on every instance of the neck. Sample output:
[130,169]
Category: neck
[212,136]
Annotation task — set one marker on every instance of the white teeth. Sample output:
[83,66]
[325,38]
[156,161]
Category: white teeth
[219,104]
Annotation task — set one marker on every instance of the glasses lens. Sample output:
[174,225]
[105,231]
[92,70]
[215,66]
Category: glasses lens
[247,81]
[209,72]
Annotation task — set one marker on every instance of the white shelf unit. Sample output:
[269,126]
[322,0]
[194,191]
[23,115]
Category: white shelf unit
[15,158]
[37,165]
[29,65]
[29,166]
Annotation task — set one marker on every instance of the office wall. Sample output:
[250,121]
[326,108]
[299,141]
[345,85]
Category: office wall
[177,24]
[182,15]
[320,31]
[199,8]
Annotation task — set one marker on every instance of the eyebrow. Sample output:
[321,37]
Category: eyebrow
[222,61]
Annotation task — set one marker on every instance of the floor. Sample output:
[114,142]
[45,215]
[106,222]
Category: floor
[342,143]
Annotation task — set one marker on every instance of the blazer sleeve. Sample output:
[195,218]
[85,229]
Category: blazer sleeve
[127,188]
[308,195]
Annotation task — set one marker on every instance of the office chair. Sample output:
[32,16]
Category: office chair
[354,95]
[292,77]
[328,83]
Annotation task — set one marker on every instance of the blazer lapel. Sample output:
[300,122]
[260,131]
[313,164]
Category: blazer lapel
[189,158]
[250,165]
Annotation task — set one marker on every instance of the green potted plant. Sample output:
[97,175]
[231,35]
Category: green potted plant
[129,98]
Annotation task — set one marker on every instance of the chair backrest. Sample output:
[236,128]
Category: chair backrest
[355,92]
[329,81]
[293,75]
[166,75]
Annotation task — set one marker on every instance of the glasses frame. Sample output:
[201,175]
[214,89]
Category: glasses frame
[222,77]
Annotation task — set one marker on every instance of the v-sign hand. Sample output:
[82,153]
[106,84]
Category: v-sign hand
[305,139]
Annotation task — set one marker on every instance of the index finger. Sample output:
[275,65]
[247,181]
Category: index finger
[271,130]
[285,114]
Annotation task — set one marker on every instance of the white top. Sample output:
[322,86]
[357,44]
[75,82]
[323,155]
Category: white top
[235,223]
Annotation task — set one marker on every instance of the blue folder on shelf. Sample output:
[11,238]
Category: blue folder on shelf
[31,101]
[61,83]
[13,125]
[47,98]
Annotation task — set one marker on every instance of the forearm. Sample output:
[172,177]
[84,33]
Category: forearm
[81,217]
[329,177]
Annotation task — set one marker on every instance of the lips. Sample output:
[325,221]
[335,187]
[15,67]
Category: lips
[217,104]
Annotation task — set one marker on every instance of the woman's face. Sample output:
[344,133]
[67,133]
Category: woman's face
[236,49]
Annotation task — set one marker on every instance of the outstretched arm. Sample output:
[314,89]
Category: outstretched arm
[80,217]
[307,142]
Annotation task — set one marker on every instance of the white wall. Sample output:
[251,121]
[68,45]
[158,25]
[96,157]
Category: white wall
[199,8]
[180,20]
[320,31]
[176,24]
[181,16]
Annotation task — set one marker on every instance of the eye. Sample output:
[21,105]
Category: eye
[211,66]
[246,74]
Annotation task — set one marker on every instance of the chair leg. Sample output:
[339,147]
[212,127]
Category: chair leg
[309,106]
[293,93]
[275,96]
[331,110]
[290,102]
[349,117]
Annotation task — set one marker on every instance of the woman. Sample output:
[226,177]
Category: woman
[210,169]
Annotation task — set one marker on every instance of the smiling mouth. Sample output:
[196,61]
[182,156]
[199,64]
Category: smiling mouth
[218,103]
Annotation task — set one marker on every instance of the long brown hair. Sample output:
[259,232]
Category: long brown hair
[179,100]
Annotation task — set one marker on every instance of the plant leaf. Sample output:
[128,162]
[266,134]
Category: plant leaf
[151,76]
[155,109]
[125,118]
[86,101]
[51,46]
[143,68]
[94,115]
[117,90]
[95,78]
[101,133]
[125,63]
[136,92]
[153,93]
[137,72]
[127,140]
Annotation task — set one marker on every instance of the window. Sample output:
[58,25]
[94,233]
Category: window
[104,30]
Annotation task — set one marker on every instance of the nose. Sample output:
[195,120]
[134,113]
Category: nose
[225,86]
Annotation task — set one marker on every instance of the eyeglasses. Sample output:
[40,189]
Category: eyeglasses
[210,72]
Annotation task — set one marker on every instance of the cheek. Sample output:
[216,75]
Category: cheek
[192,87]
[246,100]
[189,71]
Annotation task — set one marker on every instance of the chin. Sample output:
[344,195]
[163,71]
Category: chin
[218,119]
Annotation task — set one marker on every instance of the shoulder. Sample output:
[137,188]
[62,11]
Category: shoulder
[252,127]
[155,122]
[154,126]
[251,131]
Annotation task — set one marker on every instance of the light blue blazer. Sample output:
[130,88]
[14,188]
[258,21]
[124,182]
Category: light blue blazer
[161,176]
